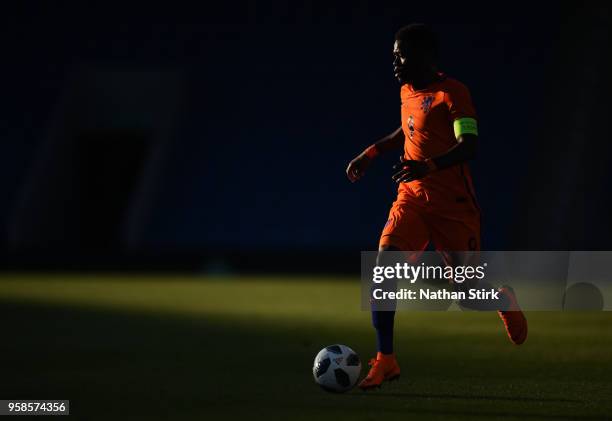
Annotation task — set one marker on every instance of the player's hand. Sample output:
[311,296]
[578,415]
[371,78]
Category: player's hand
[409,170]
[357,167]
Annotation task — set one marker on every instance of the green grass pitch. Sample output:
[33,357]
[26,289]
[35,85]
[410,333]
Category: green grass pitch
[197,348]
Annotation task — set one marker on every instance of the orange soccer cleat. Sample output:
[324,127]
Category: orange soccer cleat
[513,318]
[384,368]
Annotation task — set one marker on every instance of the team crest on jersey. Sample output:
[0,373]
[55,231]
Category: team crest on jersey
[410,126]
[426,103]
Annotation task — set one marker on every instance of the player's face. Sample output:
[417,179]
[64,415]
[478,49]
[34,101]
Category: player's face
[408,63]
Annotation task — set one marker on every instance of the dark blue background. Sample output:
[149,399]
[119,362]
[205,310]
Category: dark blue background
[277,99]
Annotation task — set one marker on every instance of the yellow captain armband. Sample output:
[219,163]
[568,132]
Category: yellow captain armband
[465,125]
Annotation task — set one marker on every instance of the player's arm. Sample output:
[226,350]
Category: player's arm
[464,150]
[357,167]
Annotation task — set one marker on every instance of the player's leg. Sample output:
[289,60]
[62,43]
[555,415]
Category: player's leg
[458,241]
[383,314]
[404,237]
[405,231]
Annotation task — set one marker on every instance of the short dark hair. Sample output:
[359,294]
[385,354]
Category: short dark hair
[420,36]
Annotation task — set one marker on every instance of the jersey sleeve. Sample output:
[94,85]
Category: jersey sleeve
[462,113]
[459,101]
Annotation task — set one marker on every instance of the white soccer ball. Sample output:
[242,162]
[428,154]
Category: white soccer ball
[336,368]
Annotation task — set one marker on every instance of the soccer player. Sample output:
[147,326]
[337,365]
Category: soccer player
[435,200]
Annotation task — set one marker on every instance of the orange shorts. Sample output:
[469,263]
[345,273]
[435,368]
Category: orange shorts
[412,226]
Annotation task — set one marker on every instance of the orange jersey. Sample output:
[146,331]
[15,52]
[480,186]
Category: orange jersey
[427,122]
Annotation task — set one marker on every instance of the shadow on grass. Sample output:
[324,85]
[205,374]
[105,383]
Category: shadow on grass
[455,414]
[117,365]
[113,364]
[471,397]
